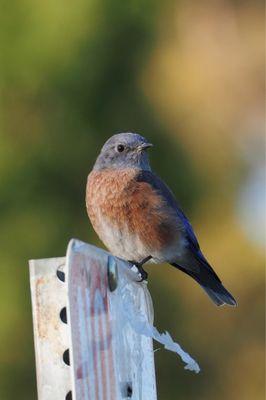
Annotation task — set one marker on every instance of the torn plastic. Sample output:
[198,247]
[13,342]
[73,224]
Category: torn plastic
[143,323]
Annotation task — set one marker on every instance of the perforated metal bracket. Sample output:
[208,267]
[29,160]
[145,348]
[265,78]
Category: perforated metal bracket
[51,333]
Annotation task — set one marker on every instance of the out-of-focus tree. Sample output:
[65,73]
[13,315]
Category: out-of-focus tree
[189,77]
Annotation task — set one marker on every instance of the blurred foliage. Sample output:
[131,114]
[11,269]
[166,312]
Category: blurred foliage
[187,75]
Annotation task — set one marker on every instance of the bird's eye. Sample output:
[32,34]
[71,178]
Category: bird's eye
[120,148]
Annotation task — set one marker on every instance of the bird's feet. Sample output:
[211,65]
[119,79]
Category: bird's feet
[142,272]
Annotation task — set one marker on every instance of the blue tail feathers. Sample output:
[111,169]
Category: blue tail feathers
[210,282]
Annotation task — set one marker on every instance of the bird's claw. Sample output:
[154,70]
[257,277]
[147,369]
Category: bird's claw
[143,274]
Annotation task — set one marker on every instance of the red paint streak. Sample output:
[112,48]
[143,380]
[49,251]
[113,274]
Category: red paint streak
[103,350]
[110,358]
[95,284]
[103,343]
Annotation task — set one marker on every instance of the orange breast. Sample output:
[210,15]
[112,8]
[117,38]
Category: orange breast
[130,206]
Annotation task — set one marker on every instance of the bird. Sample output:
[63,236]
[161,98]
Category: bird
[138,218]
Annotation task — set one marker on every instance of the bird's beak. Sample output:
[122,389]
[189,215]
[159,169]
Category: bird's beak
[144,146]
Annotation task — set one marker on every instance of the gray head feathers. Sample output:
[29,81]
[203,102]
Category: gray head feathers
[124,150]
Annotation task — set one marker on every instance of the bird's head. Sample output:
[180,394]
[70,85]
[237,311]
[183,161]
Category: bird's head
[124,150]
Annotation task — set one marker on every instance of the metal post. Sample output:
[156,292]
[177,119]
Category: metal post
[86,342]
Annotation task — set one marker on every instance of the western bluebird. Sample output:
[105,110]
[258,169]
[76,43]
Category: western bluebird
[137,217]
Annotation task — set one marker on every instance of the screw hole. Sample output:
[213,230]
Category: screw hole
[63,315]
[129,390]
[61,275]
[69,396]
[66,357]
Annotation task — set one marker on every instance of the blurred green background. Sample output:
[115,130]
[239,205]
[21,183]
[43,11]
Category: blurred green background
[187,75]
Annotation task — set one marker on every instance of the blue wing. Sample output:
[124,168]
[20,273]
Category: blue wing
[194,263]
[163,190]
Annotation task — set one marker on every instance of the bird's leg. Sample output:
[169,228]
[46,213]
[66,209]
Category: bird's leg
[142,272]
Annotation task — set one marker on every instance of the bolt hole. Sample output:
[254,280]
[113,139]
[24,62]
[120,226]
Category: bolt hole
[63,315]
[129,390]
[69,396]
[61,275]
[66,357]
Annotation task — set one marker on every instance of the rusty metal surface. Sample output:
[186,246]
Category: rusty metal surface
[51,339]
[110,361]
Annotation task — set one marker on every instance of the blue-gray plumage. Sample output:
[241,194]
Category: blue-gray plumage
[192,262]
[138,218]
